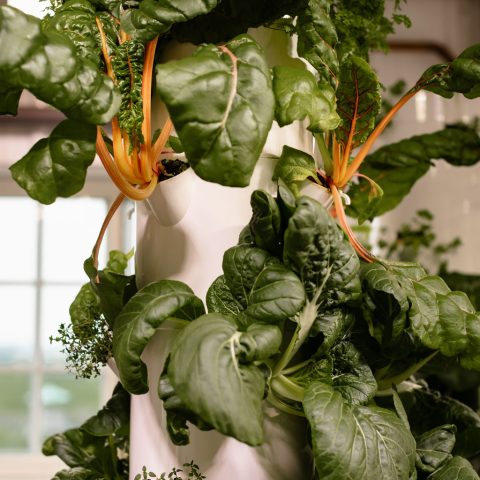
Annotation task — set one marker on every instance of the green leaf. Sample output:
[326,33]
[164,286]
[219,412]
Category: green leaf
[266,222]
[385,303]
[317,38]
[154,17]
[276,295]
[458,468]
[221,300]
[77,473]
[428,409]
[231,18]
[176,411]
[56,166]
[75,447]
[299,96]
[333,325]
[224,392]
[358,101]
[113,418]
[76,20]
[9,98]
[316,250]
[49,65]
[112,288]
[352,376]
[397,167]
[434,448]
[241,266]
[356,441]
[368,211]
[221,103]
[462,75]
[294,167]
[139,320]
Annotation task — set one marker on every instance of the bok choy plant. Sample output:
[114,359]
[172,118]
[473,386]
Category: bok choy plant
[304,317]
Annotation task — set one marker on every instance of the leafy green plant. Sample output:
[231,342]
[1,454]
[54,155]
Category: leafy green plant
[192,472]
[304,317]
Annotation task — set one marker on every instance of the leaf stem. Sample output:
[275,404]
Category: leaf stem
[282,406]
[355,165]
[342,218]
[146,154]
[326,157]
[288,389]
[385,383]
[111,212]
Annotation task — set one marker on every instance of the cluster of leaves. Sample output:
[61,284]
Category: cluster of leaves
[297,320]
[98,449]
[192,471]
[87,340]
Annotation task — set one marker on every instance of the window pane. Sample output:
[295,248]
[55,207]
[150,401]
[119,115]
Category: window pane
[17,313]
[55,303]
[14,404]
[19,239]
[32,7]
[70,229]
[67,402]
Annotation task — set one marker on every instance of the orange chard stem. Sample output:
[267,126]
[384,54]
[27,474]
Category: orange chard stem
[355,165]
[342,219]
[145,157]
[337,155]
[120,156]
[351,134]
[161,142]
[106,55]
[111,212]
[129,190]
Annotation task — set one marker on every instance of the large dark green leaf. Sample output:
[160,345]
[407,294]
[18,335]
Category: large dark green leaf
[294,167]
[456,469]
[352,377]
[231,18]
[299,96]
[468,283]
[140,319]
[75,447]
[358,101]
[241,266]
[333,325]
[222,105]
[266,222]
[462,75]
[428,409]
[176,411]
[221,300]
[154,17]
[385,302]
[317,39]
[77,473]
[434,447]
[49,65]
[316,250]
[398,166]
[57,166]
[356,441]
[76,20]
[276,295]
[226,388]
[113,418]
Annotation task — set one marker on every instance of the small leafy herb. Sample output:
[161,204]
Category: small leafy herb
[192,471]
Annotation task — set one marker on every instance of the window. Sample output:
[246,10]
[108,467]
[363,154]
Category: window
[43,248]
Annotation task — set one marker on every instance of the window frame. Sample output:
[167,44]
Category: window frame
[34,465]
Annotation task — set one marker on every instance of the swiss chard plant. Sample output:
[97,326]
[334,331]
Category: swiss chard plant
[304,317]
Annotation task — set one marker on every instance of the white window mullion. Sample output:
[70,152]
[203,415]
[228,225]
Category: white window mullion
[37,372]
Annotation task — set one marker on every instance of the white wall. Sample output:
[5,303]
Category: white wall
[451,193]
